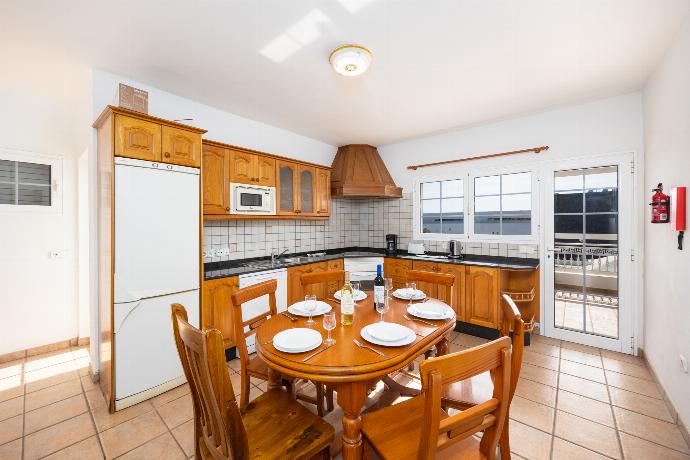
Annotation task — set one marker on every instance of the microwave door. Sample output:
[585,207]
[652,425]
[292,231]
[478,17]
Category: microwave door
[251,200]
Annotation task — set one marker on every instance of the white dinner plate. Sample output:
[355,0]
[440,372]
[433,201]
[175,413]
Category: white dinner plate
[299,309]
[359,295]
[405,341]
[431,310]
[388,332]
[297,340]
[405,294]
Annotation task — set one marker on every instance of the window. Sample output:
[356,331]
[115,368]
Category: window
[28,182]
[442,207]
[503,204]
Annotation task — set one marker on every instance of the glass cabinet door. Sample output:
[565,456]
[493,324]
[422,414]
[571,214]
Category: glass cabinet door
[286,188]
[307,189]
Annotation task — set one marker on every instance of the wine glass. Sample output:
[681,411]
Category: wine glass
[329,324]
[388,285]
[382,307]
[355,288]
[411,290]
[310,306]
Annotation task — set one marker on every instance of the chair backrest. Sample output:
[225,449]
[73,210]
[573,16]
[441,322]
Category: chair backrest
[332,276]
[443,281]
[512,322]
[489,416]
[217,416]
[245,295]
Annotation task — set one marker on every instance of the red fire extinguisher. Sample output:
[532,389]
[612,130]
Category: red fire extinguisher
[660,205]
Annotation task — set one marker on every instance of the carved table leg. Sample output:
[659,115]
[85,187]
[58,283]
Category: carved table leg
[351,398]
[274,379]
[442,347]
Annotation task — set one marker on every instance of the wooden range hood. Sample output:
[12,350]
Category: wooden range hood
[358,171]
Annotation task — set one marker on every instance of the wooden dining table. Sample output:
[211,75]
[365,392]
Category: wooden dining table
[347,368]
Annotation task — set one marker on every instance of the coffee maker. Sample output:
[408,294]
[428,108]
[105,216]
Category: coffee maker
[391,243]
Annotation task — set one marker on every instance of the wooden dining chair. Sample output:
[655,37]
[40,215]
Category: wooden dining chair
[419,429]
[273,426]
[255,366]
[468,393]
[442,281]
[331,277]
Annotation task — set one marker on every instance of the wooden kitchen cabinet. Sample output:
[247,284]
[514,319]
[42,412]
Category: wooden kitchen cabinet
[266,171]
[286,190]
[337,264]
[323,191]
[181,147]
[307,190]
[396,269]
[216,179]
[216,307]
[250,168]
[295,291]
[482,296]
[137,138]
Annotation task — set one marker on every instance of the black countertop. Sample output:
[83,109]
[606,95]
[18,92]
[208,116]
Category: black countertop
[215,270]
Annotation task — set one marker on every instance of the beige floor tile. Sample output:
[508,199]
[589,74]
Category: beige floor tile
[11,429]
[627,382]
[536,338]
[583,387]
[11,368]
[635,448]
[630,359]
[651,429]
[468,341]
[545,349]
[236,381]
[263,386]
[11,450]
[564,450]
[48,359]
[49,376]
[57,437]
[11,407]
[537,359]
[11,387]
[88,384]
[626,368]
[104,419]
[163,446]
[185,436]
[584,432]
[177,412]
[52,394]
[581,348]
[88,449]
[641,404]
[54,413]
[539,374]
[235,364]
[536,392]
[170,395]
[581,357]
[583,371]
[131,434]
[529,442]
[533,414]
[581,406]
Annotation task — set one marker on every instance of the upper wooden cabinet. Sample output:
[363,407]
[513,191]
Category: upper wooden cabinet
[216,172]
[137,138]
[141,136]
[307,190]
[250,168]
[181,147]
[482,294]
[323,192]
[297,190]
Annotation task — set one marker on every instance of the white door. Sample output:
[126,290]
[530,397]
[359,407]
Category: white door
[587,238]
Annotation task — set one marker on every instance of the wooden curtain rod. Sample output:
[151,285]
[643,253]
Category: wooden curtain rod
[480,157]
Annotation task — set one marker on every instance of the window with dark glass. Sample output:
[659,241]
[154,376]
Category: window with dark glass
[503,204]
[442,207]
[24,183]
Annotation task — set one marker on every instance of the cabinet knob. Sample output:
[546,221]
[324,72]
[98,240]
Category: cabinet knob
[167,155]
[227,208]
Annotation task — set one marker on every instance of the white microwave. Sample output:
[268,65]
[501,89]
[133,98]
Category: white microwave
[252,199]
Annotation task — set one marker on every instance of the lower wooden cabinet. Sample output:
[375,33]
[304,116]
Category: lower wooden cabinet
[333,265]
[216,307]
[481,296]
[396,269]
[458,271]
[295,291]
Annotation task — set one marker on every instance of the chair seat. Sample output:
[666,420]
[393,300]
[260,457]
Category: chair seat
[256,367]
[279,427]
[467,393]
[395,432]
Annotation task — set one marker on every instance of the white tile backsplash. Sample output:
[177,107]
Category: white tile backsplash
[353,222]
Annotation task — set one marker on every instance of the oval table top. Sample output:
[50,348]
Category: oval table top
[345,361]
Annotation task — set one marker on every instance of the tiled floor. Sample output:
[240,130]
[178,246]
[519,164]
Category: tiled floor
[572,402]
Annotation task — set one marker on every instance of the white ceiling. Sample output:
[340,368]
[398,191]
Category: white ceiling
[437,64]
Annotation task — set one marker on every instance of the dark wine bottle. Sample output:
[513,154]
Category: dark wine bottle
[379,287]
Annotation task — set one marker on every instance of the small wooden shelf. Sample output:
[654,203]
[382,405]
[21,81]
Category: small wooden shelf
[522,296]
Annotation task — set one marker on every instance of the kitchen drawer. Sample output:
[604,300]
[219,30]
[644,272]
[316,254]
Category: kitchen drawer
[396,268]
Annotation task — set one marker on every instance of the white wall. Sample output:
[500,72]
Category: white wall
[38,295]
[222,126]
[667,146]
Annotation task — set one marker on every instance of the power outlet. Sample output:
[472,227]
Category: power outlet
[222,252]
[684,363]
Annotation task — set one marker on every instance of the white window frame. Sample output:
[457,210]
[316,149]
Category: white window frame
[55,163]
[468,175]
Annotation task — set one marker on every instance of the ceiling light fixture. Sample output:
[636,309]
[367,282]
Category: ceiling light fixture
[350,60]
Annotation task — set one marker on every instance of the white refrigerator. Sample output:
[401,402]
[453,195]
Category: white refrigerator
[156,251]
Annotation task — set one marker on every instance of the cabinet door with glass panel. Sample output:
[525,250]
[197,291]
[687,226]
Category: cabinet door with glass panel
[442,206]
[502,205]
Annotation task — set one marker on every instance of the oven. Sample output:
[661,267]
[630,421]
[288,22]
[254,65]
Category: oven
[252,199]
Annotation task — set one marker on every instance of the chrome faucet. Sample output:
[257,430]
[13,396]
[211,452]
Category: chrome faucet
[274,258]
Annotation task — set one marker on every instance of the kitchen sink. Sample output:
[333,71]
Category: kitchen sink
[278,262]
